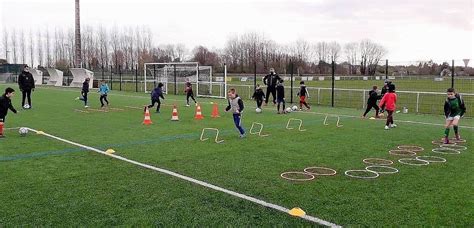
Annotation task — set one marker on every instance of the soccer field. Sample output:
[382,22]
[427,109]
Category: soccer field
[46,182]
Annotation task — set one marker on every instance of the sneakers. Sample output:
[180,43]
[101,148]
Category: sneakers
[458,137]
[86,106]
[77,98]
[446,140]
[187,105]
[387,128]
[393,125]
[242,135]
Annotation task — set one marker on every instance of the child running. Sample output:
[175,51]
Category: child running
[303,93]
[258,96]
[454,109]
[236,106]
[189,93]
[84,92]
[280,96]
[155,97]
[103,90]
[5,104]
[372,102]
[389,100]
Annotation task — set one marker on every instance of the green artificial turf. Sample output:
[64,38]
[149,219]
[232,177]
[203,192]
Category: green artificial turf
[45,182]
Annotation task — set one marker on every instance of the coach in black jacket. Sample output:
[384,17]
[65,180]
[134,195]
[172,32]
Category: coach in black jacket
[271,82]
[27,84]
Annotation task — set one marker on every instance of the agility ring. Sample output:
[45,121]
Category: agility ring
[402,152]
[431,159]
[286,175]
[455,147]
[375,174]
[259,132]
[210,129]
[440,142]
[415,163]
[458,140]
[293,119]
[316,171]
[377,161]
[337,123]
[445,150]
[371,167]
[411,148]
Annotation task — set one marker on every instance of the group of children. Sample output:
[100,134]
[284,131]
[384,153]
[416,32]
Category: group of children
[259,96]
[103,90]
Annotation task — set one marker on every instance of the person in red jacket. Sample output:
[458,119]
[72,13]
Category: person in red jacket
[389,100]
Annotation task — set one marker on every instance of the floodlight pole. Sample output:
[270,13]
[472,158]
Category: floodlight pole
[78,59]
[174,75]
[254,75]
[386,69]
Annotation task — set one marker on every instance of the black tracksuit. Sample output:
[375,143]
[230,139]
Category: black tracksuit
[85,91]
[372,103]
[271,82]
[155,98]
[258,96]
[189,92]
[280,96]
[5,104]
[26,82]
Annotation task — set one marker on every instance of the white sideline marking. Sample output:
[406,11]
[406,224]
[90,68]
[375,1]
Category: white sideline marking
[310,112]
[202,183]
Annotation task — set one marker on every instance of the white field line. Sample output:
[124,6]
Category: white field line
[202,183]
[317,113]
[11,128]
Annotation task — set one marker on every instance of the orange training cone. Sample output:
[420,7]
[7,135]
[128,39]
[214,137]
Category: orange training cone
[215,111]
[174,116]
[198,115]
[147,120]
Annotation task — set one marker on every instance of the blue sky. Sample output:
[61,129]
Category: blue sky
[410,30]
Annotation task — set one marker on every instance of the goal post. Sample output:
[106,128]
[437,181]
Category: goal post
[175,75]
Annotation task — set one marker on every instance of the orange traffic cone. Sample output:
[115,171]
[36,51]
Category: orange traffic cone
[198,115]
[1,129]
[174,116]
[147,120]
[215,111]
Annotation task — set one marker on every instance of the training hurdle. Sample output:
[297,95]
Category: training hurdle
[293,119]
[211,129]
[337,123]
[259,132]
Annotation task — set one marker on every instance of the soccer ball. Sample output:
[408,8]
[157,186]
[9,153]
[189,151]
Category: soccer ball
[294,108]
[381,114]
[258,110]
[23,131]
[288,109]
[26,106]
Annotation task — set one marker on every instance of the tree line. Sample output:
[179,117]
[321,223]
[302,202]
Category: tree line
[130,47]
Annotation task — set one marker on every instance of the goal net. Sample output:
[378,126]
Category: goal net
[175,75]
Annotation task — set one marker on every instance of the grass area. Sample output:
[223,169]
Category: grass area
[49,183]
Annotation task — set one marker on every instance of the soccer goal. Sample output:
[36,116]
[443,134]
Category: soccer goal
[175,75]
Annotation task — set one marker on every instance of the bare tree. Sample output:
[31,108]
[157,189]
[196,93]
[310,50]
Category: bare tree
[351,52]
[6,43]
[40,48]
[14,40]
[48,49]
[22,47]
[334,51]
[181,51]
[32,48]
[371,53]
[115,43]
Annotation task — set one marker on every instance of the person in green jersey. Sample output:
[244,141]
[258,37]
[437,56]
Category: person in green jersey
[454,109]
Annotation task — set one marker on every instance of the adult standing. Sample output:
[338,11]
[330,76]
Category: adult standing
[270,81]
[27,84]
